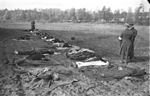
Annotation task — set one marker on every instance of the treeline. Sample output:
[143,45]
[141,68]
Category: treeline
[105,15]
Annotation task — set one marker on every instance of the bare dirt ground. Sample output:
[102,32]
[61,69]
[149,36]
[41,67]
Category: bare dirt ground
[100,38]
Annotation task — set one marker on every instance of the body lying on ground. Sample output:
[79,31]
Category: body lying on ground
[34,51]
[80,54]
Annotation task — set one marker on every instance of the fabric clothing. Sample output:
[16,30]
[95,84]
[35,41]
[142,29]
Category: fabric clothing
[134,31]
[126,45]
[32,25]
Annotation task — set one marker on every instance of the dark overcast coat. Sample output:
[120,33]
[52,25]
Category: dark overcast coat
[134,31]
[33,25]
[126,45]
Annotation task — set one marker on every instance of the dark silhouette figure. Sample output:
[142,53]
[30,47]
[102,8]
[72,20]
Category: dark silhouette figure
[134,31]
[32,25]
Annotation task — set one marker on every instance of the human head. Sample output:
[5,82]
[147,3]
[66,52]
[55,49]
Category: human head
[130,26]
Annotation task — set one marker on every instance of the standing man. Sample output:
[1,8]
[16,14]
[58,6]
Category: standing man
[126,44]
[33,25]
[134,31]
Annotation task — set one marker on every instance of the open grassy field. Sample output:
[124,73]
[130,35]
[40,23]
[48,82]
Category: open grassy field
[102,38]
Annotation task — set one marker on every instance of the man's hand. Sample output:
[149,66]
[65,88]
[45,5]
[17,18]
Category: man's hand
[119,38]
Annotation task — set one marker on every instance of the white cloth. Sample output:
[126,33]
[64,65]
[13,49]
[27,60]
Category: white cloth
[50,39]
[95,63]
[119,38]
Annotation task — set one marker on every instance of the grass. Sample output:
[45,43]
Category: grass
[99,37]
[107,29]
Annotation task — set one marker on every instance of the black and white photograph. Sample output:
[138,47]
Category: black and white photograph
[74,47]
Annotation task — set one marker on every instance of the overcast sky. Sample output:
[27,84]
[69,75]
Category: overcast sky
[67,4]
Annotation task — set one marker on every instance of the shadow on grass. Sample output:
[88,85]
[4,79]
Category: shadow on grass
[141,59]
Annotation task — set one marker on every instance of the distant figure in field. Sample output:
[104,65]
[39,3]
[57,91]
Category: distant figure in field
[127,38]
[33,25]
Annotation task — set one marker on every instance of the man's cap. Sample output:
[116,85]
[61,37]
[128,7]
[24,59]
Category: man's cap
[129,24]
